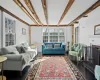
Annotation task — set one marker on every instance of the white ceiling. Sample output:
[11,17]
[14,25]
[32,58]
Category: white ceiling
[78,7]
[55,9]
[39,10]
[12,7]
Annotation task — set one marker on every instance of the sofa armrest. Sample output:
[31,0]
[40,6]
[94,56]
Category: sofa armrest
[43,46]
[63,46]
[13,57]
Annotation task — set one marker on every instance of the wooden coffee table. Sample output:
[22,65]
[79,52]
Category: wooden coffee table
[4,78]
[2,60]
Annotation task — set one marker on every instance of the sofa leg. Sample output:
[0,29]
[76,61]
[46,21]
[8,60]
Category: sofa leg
[20,73]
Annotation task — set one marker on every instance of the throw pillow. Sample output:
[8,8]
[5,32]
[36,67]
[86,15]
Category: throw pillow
[23,50]
[77,48]
[19,49]
[56,45]
[25,45]
[49,46]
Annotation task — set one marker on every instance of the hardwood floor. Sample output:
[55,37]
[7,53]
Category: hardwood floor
[87,74]
[15,75]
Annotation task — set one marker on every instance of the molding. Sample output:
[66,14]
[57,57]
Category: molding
[44,5]
[25,10]
[11,14]
[31,8]
[68,6]
[51,25]
[90,9]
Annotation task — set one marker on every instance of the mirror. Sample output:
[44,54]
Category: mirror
[97,29]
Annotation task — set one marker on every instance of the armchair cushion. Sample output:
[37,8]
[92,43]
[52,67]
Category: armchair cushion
[77,48]
[74,53]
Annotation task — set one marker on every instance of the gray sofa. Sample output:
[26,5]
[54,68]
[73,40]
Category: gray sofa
[18,57]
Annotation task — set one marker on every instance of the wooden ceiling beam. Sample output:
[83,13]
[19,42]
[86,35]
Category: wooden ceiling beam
[31,8]
[44,5]
[63,25]
[68,6]
[90,9]
[25,10]
[13,15]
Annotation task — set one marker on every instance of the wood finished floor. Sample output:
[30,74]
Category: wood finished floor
[15,75]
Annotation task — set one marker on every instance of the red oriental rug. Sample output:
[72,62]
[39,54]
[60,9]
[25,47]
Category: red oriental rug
[54,68]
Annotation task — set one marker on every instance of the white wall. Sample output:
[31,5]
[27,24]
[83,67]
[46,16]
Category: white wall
[86,28]
[36,35]
[19,25]
[68,34]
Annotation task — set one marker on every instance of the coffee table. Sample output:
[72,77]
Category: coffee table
[2,60]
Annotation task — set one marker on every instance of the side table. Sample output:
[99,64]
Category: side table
[2,60]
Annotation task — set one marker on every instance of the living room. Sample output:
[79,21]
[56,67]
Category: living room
[37,35]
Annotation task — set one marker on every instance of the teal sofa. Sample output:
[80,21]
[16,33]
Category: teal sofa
[53,48]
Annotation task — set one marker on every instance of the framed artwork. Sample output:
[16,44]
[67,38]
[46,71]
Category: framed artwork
[97,29]
[23,31]
[10,34]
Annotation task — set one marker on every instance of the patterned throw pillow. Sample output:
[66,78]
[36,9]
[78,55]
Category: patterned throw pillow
[19,49]
[56,45]
[23,50]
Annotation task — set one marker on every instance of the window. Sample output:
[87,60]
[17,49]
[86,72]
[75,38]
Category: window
[53,35]
[9,32]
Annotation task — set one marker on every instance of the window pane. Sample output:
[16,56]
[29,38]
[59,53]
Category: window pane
[53,35]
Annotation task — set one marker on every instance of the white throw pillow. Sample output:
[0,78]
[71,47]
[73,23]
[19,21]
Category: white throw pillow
[56,45]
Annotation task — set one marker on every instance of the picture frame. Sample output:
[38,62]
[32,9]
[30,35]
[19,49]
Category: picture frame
[23,31]
[97,29]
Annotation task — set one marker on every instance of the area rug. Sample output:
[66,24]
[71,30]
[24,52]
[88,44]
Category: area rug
[54,68]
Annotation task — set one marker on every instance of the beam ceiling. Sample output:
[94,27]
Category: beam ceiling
[31,8]
[90,9]
[68,6]
[44,5]
[25,10]
[64,25]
